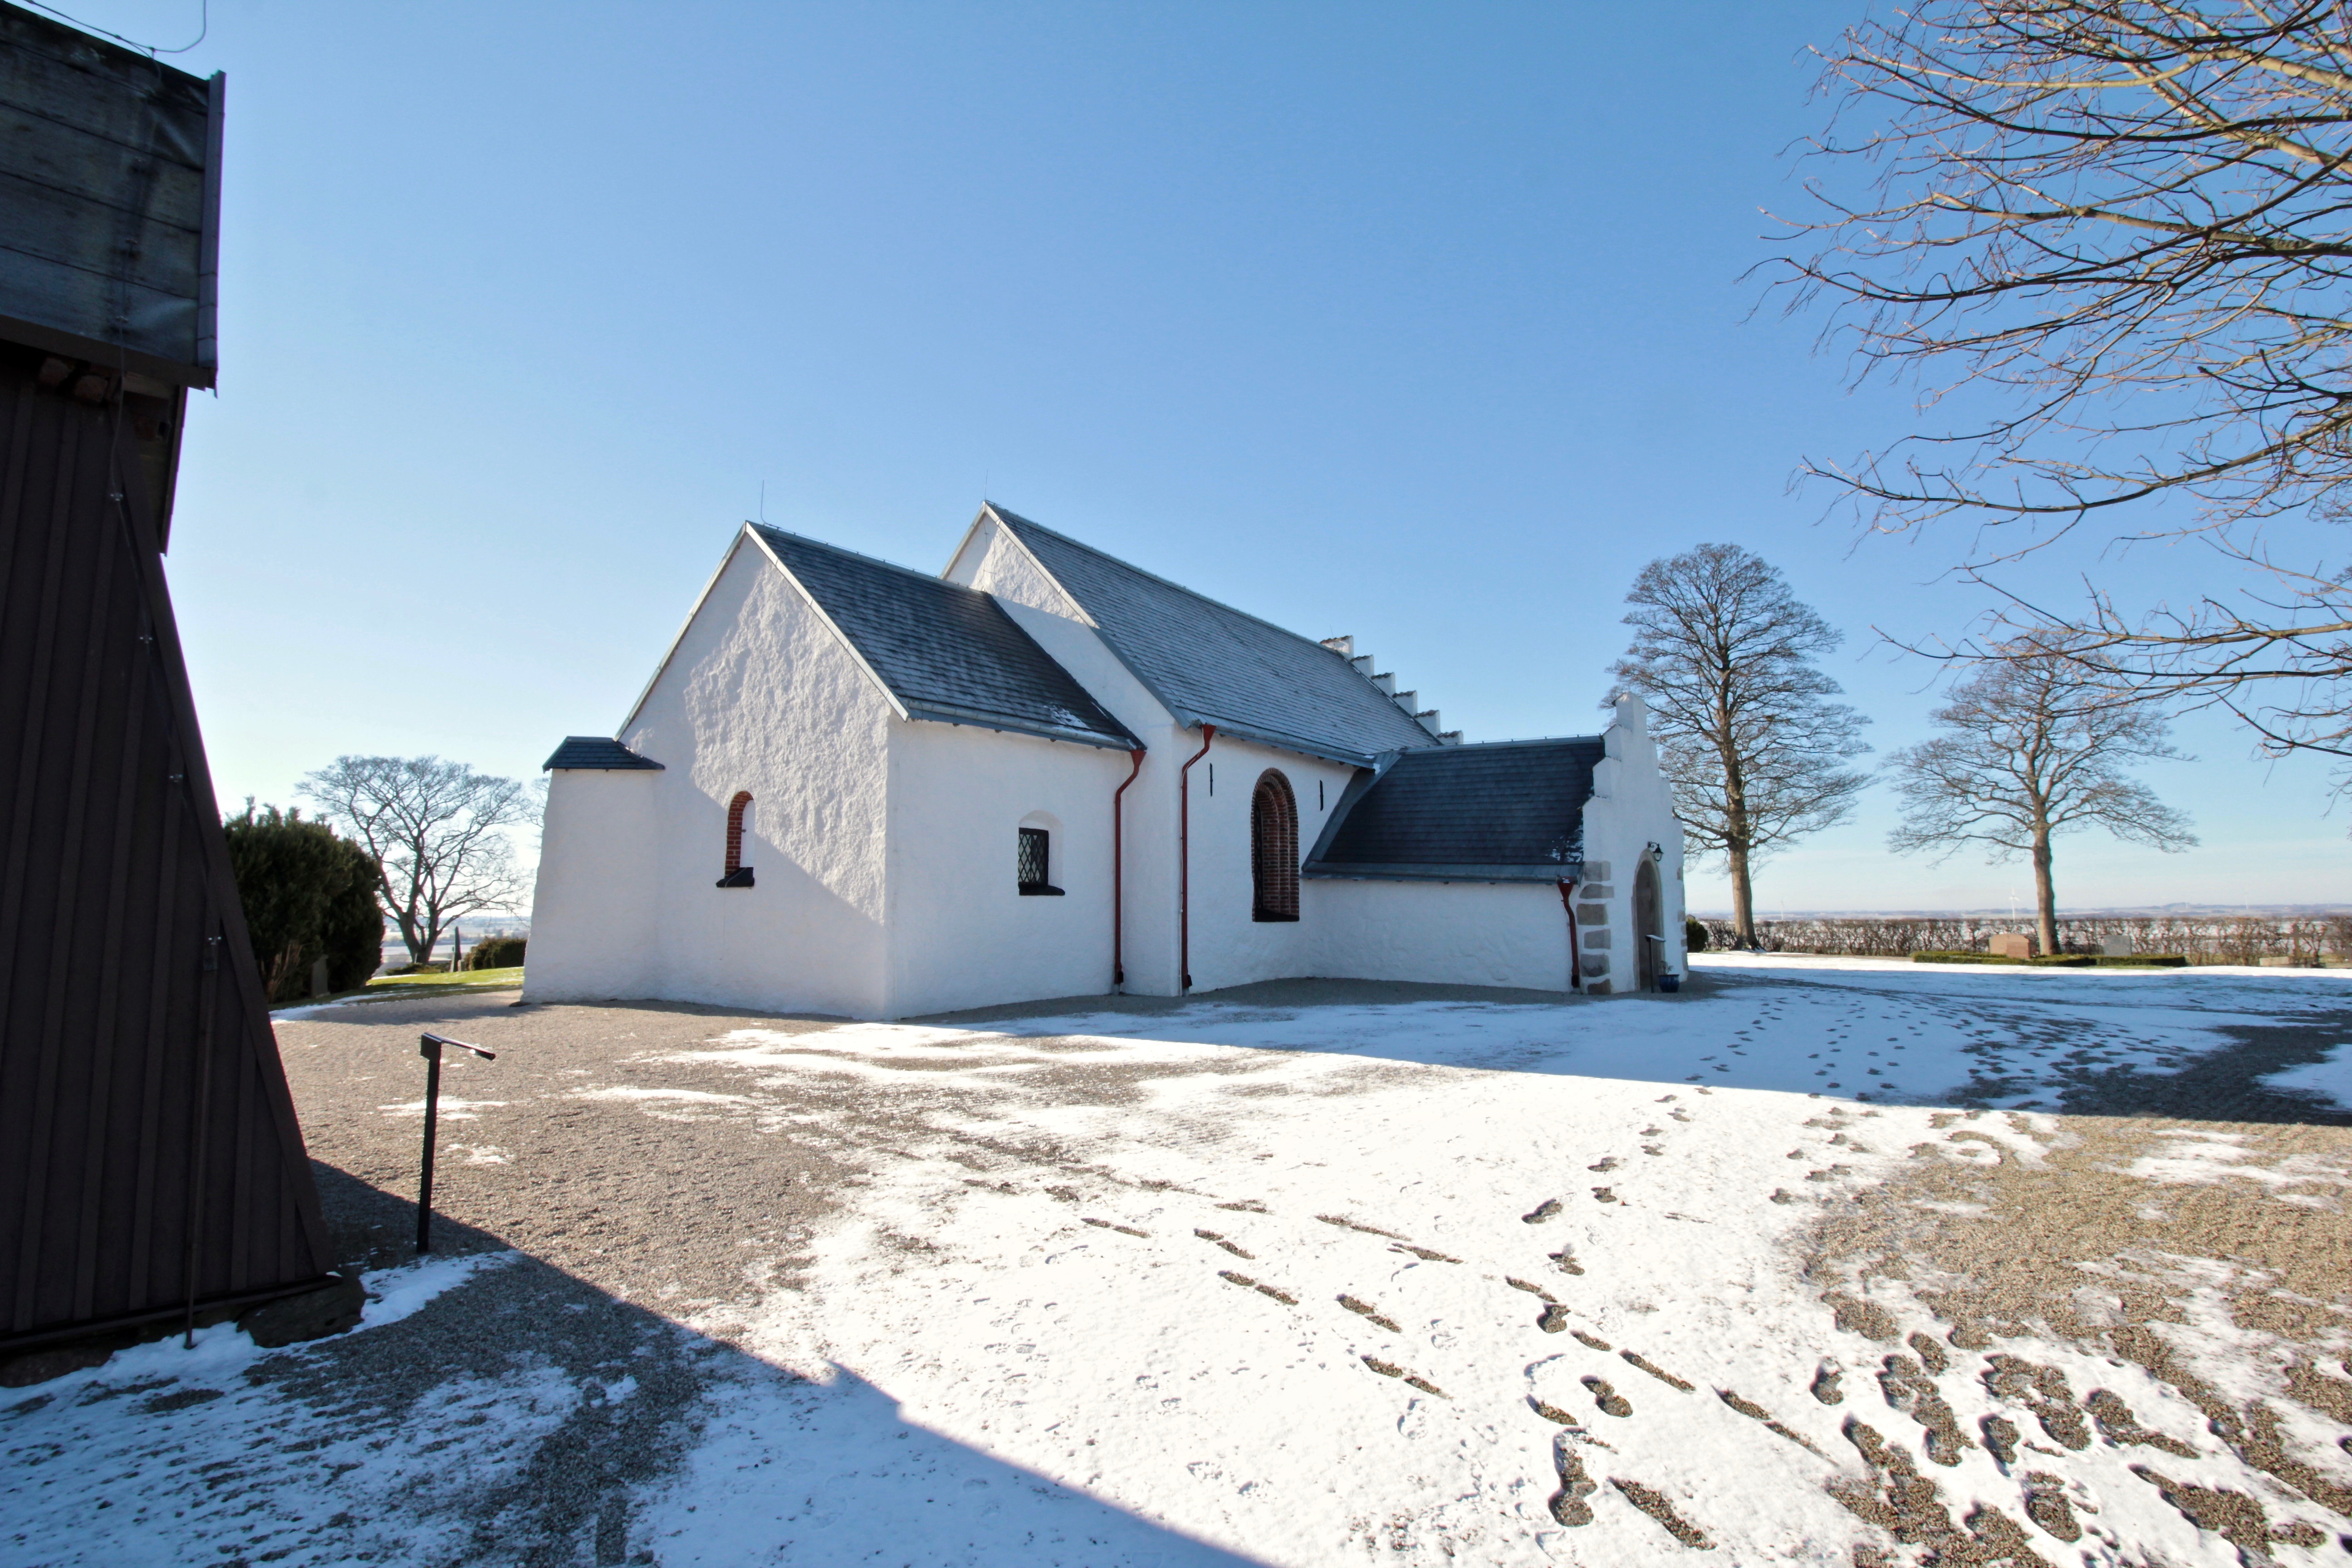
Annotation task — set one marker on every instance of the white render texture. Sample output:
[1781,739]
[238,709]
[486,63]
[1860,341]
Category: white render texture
[758,695]
[883,847]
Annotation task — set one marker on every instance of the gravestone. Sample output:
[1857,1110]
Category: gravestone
[2010,944]
[2117,947]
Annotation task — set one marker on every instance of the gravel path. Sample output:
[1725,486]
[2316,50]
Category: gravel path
[625,1201]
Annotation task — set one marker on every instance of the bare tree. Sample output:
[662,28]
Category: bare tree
[1724,654]
[2123,223]
[2031,750]
[438,829]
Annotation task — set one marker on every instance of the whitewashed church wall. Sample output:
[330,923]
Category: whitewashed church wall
[993,561]
[761,696]
[591,911]
[1150,895]
[961,934]
[1633,807]
[1438,933]
[1229,948]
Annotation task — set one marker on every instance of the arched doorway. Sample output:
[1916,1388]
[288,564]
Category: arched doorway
[1649,928]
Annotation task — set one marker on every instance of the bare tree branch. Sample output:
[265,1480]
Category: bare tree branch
[438,829]
[2130,223]
[1723,652]
[2032,748]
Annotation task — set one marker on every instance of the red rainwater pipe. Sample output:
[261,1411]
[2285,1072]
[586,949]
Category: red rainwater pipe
[1184,860]
[1575,962]
[1117,862]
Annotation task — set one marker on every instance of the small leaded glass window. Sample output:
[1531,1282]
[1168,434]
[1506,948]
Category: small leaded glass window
[1034,863]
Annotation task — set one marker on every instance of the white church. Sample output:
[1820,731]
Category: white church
[852,789]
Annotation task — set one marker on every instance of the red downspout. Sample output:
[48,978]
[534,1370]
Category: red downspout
[1117,862]
[1184,860]
[1575,962]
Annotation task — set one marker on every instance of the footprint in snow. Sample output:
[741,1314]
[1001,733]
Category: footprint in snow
[1661,1373]
[1567,1504]
[1554,1319]
[1122,1229]
[1284,1296]
[1612,1402]
[1541,1211]
[1229,1247]
[1391,1369]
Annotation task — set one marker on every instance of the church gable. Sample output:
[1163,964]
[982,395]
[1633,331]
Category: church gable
[940,651]
[992,559]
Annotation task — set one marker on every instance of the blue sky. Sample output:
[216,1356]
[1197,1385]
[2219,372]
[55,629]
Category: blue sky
[1430,325]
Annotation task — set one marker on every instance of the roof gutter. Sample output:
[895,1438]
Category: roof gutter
[1434,872]
[1575,958]
[938,713]
[1298,744]
[1184,862]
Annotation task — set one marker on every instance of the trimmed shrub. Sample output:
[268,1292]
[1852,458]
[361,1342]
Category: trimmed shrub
[1695,937]
[495,953]
[307,895]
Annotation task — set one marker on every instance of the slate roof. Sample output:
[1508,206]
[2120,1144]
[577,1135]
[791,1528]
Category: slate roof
[948,653]
[1509,811]
[1210,663]
[596,751]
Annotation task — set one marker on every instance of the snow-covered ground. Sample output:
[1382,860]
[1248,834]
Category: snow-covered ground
[1421,1283]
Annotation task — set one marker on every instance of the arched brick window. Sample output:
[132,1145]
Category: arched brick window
[1274,850]
[738,874]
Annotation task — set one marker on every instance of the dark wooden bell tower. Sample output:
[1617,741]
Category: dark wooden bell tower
[151,1166]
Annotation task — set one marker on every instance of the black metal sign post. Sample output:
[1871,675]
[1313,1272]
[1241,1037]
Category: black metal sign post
[430,1049]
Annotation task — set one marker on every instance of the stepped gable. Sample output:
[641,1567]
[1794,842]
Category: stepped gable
[1211,664]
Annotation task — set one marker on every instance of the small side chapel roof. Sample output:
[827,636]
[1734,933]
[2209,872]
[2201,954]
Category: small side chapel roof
[947,653]
[1210,663]
[1506,811]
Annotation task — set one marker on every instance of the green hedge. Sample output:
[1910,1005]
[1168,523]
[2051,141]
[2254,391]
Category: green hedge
[307,894]
[495,953]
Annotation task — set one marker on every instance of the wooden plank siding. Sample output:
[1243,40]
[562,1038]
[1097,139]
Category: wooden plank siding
[110,201]
[149,1151]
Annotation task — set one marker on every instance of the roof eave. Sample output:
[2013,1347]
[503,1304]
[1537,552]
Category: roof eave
[939,714]
[1300,745]
[1560,871]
